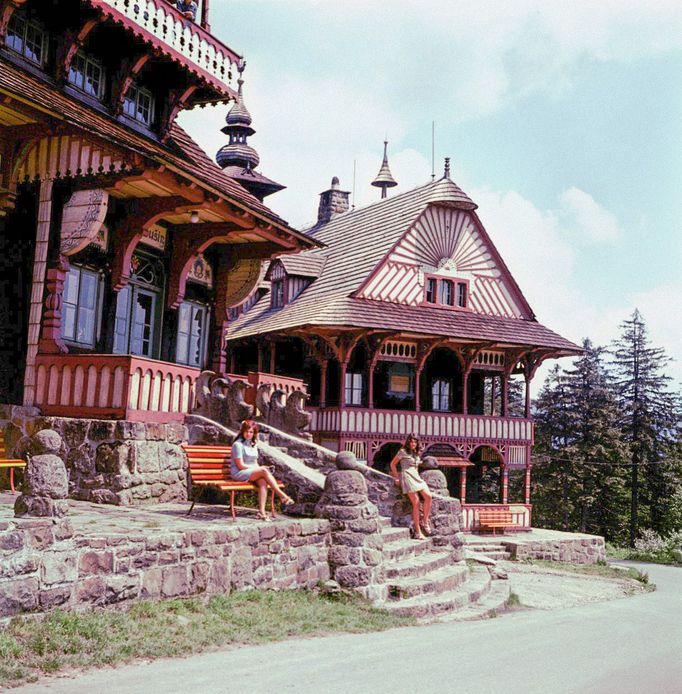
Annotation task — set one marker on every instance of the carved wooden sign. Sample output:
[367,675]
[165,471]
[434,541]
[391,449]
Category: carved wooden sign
[242,280]
[200,271]
[82,219]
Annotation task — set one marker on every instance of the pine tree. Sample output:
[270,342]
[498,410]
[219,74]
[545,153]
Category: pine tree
[578,436]
[650,416]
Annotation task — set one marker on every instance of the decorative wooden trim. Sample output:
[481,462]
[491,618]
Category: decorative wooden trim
[11,6]
[176,102]
[51,341]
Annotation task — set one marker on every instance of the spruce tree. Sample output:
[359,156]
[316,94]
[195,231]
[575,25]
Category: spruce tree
[650,416]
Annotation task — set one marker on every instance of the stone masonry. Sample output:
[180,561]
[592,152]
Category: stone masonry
[121,463]
[44,564]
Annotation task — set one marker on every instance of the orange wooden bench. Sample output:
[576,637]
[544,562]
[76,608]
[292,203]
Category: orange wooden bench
[209,466]
[493,519]
[9,463]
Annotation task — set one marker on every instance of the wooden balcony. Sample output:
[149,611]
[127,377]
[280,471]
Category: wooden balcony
[160,23]
[520,513]
[431,426]
[109,386]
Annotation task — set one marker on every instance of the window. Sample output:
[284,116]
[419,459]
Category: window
[431,290]
[27,38]
[191,339]
[80,307]
[353,389]
[277,294]
[447,293]
[462,294]
[87,74]
[138,103]
[440,395]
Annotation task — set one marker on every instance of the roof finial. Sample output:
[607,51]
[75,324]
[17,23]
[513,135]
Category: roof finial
[384,179]
[447,168]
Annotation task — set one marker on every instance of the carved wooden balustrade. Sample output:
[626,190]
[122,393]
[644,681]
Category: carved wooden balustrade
[520,513]
[105,386]
[185,40]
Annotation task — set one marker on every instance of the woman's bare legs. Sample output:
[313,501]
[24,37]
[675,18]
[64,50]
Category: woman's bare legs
[414,500]
[426,510]
[262,473]
[262,495]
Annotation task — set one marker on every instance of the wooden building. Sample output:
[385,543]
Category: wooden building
[407,321]
[122,244]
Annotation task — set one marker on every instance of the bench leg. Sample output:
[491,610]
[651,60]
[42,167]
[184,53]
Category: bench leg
[11,479]
[234,515]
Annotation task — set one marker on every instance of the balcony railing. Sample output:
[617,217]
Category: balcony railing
[520,513]
[106,386]
[352,422]
[162,24]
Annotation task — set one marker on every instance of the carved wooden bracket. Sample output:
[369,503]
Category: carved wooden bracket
[6,14]
[51,341]
[177,100]
[70,44]
[124,78]
[148,211]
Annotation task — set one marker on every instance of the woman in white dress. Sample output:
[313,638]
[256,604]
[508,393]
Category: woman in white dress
[413,485]
[244,467]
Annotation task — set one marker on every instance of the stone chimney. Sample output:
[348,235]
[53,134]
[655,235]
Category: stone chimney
[332,202]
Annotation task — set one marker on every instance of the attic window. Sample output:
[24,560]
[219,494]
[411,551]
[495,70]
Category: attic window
[277,292]
[27,37]
[446,292]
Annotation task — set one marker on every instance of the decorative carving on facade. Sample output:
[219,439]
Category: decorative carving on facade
[282,411]
[82,218]
[222,399]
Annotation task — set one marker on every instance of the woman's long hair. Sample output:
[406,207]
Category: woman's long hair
[247,424]
[417,448]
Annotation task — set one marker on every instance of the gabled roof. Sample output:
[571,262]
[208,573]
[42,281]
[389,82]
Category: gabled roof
[357,242]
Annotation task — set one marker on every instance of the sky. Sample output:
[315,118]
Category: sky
[563,122]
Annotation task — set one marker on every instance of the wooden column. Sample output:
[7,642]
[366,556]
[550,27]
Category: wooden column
[493,395]
[463,485]
[204,16]
[259,357]
[323,382]
[370,386]
[417,390]
[272,357]
[465,392]
[504,481]
[527,485]
[37,289]
[342,386]
[505,394]
[51,341]
[527,378]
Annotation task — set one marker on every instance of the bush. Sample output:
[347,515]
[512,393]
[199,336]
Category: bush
[651,547]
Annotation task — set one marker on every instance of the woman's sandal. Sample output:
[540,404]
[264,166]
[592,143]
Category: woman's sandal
[287,500]
[416,536]
[426,529]
[263,517]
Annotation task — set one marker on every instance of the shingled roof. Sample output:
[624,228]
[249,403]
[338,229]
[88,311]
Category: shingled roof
[356,242]
[180,152]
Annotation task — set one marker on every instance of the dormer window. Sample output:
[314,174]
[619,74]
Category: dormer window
[451,293]
[28,38]
[277,290]
[87,74]
[139,104]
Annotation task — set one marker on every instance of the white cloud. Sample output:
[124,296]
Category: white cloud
[583,217]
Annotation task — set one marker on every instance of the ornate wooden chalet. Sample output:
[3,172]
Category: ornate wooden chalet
[123,245]
[408,320]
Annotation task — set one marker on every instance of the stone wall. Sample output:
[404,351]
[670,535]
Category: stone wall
[583,549]
[44,565]
[122,463]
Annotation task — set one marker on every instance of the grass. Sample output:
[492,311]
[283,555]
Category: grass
[513,601]
[31,646]
[600,569]
[661,556]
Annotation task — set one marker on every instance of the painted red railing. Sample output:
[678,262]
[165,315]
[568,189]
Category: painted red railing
[521,514]
[351,422]
[162,24]
[109,386]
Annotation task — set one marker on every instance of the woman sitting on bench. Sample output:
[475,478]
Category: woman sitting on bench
[413,485]
[244,467]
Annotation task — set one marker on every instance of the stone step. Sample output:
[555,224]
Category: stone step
[430,605]
[485,546]
[501,555]
[490,605]
[393,534]
[439,581]
[405,549]
[384,521]
[418,566]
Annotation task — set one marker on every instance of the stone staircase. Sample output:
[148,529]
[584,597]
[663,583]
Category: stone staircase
[424,582]
[492,550]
